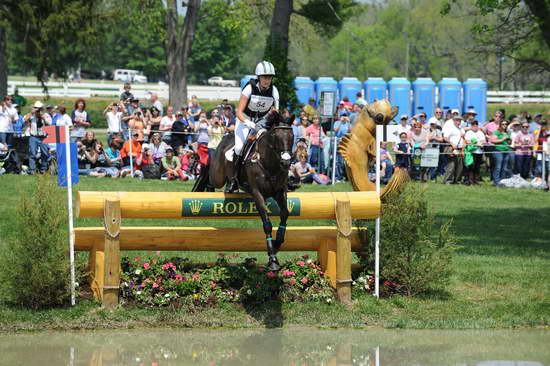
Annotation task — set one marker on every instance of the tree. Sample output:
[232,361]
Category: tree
[327,15]
[51,31]
[3,62]
[179,40]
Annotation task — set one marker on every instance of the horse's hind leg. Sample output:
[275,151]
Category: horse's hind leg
[281,200]
[273,263]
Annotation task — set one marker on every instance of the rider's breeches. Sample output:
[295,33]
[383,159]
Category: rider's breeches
[241,134]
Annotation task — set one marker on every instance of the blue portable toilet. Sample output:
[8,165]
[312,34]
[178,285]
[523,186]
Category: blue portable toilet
[375,88]
[305,89]
[245,79]
[450,94]
[424,96]
[399,90]
[349,87]
[475,96]
[325,84]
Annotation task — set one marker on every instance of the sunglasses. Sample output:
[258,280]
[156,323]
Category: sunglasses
[524,126]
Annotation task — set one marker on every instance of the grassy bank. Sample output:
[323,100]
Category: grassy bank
[501,278]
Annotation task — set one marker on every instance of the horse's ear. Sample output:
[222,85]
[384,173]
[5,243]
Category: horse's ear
[291,119]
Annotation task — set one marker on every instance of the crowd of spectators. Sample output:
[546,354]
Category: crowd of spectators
[146,140]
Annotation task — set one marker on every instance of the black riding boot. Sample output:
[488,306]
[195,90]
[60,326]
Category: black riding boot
[234,183]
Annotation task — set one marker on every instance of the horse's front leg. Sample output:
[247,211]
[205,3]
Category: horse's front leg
[273,263]
[281,200]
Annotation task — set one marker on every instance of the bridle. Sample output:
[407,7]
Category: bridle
[285,155]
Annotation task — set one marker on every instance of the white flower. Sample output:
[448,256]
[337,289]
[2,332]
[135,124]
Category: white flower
[138,271]
[138,293]
[76,284]
[167,295]
[329,300]
[249,292]
[309,261]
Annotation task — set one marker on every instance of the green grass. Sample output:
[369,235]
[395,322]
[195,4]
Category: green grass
[501,278]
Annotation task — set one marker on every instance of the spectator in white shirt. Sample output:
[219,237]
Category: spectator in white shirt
[166,124]
[114,115]
[455,161]
[8,116]
[157,104]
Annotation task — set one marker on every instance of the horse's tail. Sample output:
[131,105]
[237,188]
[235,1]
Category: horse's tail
[202,183]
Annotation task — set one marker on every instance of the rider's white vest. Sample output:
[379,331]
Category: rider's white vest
[259,102]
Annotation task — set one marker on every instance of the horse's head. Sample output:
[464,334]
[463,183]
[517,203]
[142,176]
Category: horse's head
[381,111]
[280,138]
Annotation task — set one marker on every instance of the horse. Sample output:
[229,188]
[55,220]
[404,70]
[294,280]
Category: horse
[264,175]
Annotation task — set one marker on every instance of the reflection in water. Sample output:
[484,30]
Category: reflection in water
[292,347]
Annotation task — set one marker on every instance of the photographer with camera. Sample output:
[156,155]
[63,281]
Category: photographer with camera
[35,122]
[216,131]
[129,113]
[137,124]
[182,129]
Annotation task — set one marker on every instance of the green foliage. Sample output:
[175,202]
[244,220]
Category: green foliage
[53,34]
[414,259]
[34,266]
[328,16]
[219,39]
[160,282]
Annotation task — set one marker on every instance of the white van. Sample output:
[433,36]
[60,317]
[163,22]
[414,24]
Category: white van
[129,76]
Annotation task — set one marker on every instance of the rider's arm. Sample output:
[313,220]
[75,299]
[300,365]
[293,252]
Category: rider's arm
[242,105]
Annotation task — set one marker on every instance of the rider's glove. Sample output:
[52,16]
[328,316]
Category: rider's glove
[249,124]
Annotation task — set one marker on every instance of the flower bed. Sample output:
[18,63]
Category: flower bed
[153,281]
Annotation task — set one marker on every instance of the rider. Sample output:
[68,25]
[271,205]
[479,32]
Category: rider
[258,97]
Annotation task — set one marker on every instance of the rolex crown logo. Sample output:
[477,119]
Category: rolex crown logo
[290,205]
[195,206]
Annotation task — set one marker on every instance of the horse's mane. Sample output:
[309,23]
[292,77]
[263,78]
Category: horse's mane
[275,118]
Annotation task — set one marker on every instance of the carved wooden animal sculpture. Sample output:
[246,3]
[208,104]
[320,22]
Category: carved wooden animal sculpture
[358,148]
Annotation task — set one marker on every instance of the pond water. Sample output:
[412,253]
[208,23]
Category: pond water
[292,347]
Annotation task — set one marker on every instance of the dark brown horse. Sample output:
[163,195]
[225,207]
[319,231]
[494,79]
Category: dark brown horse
[264,175]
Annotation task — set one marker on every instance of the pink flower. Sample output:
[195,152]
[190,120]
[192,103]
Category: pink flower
[288,273]
[270,274]
[146,265]
[165,266]
[157,252]
[155,285]
[137,259]
[303,280]
[257,285]
[292,282]
[301,263]
[179,277]
[195,276]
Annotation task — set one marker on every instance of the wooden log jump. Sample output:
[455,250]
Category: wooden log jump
[334,244]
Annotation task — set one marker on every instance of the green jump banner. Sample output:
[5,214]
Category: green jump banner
[228,207]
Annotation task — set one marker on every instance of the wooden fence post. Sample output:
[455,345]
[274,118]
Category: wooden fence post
[343,249]
[112,252]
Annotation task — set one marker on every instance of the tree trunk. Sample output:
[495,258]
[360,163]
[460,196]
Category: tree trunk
[280,24]
[178,48]
[3,63]
[540,10]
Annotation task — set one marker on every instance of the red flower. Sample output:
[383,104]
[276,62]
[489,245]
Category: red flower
[301,263]
[146,265]
[270,274]
[303,280]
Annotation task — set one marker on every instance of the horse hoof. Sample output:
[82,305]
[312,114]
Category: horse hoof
[273,264]
[274,267]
